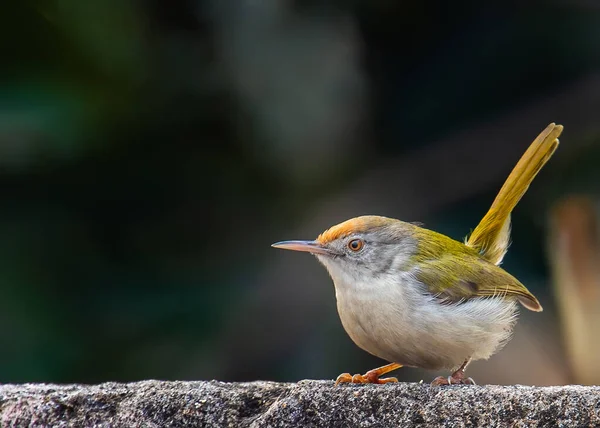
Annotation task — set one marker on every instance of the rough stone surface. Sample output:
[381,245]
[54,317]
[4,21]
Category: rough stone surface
[307,403]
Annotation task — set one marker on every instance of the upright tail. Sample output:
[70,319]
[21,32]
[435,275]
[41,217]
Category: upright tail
[491,237]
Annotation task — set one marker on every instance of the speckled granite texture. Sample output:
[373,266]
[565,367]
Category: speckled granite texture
[307,403]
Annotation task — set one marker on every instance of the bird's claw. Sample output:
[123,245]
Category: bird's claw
[369,377]
[452,380]
[343,378]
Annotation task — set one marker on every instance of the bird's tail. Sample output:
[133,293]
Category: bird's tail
[491,237]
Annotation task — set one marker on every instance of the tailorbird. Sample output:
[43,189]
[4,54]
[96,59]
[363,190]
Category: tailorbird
[417,298]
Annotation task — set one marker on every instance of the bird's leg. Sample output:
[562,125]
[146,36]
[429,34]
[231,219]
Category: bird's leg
[372,376]
[456,378]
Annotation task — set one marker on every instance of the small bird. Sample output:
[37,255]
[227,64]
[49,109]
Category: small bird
[417,298]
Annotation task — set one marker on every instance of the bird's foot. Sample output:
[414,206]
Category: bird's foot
[368,377]
[457,378]
[372,376]
[442,381]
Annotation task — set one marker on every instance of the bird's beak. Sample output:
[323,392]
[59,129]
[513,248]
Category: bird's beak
[308,246]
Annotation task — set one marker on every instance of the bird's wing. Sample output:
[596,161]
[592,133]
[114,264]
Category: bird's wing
[455,278]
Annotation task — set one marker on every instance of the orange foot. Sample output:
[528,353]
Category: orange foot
[372,376]
[456,378]
[450,380]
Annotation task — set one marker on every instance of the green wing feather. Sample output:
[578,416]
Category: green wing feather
[454,272]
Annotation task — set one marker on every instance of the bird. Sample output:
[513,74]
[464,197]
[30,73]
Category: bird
[417,298]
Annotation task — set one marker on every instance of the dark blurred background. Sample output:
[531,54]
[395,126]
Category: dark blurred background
[151,151]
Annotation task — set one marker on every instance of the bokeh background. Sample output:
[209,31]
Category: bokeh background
[151,151]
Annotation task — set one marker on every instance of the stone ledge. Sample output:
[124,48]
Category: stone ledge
[307,403]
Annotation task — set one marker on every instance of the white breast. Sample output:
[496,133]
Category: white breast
[394,320]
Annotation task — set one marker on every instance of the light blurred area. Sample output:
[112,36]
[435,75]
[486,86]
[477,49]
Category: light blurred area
[151,151]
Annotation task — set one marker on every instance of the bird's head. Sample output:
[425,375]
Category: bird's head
[361,248]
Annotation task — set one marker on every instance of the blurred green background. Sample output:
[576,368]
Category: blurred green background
[151,151]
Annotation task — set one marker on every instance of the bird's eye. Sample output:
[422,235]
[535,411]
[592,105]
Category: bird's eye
[356,245]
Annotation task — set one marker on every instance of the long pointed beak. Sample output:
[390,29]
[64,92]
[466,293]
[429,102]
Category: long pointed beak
[308,246]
